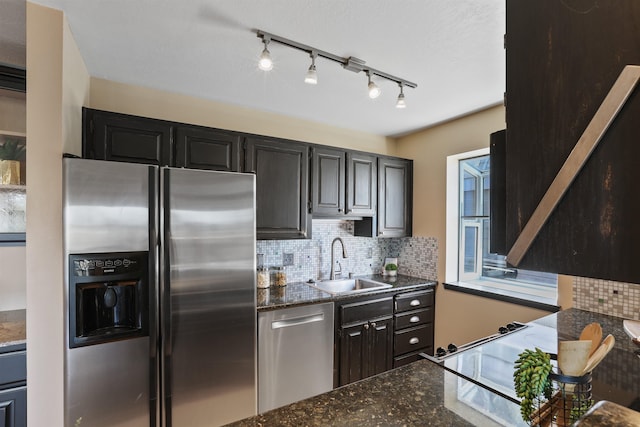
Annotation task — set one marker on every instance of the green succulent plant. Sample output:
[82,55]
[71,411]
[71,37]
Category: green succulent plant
[390,267]
[12,149]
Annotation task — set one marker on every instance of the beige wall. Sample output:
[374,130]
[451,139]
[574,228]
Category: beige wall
[57,79]
[136,100]
[459,317]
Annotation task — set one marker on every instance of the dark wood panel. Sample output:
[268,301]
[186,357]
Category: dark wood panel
[13,407]
[206,148]
[412,339]
[395,194]
[366,310]
[125,138]
[380,357]
[328,182]
[498,192]
[414,318]
[352,354]
[562,59]
[414,300]
[282,187]
[362,184]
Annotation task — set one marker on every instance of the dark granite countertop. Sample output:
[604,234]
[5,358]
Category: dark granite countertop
[423,393]
[300,293]
[13,330]
[418,394]
[617,377]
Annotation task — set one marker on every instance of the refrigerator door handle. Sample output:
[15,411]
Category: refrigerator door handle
[165,293]
[154,292]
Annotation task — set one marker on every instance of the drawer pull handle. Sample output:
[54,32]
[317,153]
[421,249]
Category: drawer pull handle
[414,340]
[414,302]
[366,326]
[414,319]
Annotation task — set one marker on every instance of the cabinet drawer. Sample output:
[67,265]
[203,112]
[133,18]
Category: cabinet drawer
[413,318]
[13,367]
[405,359]
[414,300]
[366,310]
[13,407]
[413,339]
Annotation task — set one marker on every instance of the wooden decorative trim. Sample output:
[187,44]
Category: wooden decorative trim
[606,114]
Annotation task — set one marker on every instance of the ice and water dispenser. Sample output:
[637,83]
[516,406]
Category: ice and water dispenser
[108,297]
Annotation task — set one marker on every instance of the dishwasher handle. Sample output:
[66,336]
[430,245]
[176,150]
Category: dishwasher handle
[296,321]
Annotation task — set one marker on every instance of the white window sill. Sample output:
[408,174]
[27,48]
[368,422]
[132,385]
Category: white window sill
[534,296]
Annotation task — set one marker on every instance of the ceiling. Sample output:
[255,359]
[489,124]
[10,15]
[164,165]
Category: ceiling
[453,50]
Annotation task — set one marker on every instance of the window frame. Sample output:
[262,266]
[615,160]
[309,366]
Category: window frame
[498,288]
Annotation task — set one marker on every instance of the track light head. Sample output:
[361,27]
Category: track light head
[374,90]
[400,102]
[265,62]
[312,76]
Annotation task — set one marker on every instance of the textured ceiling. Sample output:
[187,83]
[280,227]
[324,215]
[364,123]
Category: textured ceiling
[453,50]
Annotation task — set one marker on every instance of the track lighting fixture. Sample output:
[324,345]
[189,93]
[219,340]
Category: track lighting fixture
[352,64]
[312,76]
[265,63]
[400,102]
[374,90]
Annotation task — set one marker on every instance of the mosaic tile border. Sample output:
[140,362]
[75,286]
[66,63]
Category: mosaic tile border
[617,299]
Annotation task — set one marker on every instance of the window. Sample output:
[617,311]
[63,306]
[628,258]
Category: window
[469,260]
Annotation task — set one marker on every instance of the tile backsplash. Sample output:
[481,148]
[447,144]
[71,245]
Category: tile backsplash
[417,256]
[607,297]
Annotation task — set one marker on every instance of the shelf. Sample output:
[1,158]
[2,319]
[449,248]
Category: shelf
[12,133]
[9,187]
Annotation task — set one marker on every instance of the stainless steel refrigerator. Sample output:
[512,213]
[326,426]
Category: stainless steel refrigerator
[160,295]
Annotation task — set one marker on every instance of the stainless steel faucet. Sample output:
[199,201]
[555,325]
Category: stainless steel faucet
[332,274]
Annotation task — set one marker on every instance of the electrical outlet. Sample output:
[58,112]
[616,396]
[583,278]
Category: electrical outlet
[287,259]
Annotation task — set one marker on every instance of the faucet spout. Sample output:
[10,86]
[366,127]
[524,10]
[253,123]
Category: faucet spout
[332,274]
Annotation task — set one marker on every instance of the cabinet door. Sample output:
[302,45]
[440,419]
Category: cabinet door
[13,407]
[380,346]
[204,148]
[395,195]
[282,187]
[328,182]
[361,184]
[353,349]
[124,138]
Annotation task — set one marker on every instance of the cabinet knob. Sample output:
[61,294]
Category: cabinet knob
[366,326]
[339,209]
[414,302]
[373,325]
[414,340]
[414,319]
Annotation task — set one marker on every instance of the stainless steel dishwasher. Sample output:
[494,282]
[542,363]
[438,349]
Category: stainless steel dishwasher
[295,354]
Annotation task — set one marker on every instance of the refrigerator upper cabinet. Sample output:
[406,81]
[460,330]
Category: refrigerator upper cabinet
[209,256]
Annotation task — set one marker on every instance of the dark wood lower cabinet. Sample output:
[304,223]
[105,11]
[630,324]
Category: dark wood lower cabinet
[365,350]
[364,339]
[13,407]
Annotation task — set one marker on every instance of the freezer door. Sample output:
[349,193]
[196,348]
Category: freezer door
[209,296]
[107,209]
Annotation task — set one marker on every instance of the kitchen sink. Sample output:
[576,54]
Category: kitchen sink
[348,286]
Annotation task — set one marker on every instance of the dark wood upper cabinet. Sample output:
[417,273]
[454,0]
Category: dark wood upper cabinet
[362,184]
[282,187]
[125,138]
[344,183]
[395,201]
[562,60]
[327,194]
[206,148]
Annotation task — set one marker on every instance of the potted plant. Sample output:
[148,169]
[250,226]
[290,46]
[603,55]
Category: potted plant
[10,153]
[391,269]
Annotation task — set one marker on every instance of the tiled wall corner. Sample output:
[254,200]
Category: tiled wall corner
[607,297]
[312,258]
